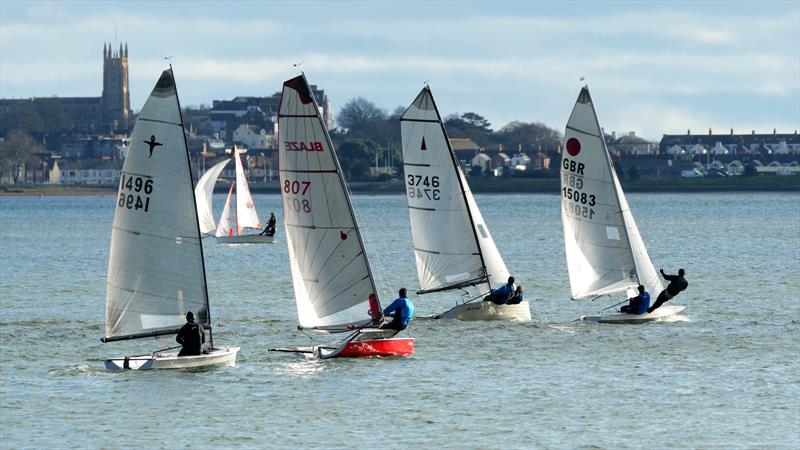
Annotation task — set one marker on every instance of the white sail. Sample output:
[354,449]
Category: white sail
[204,192]
[452,243]
[246,215]
[330,272]
[155,268]
[597,221]
[648,277]
[225,225]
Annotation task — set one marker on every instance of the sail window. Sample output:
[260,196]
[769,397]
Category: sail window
[456,277]
[482,230]
[612,233]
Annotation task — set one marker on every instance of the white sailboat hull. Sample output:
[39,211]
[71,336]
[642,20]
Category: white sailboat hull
[246,239]
[170,360]
[621,318]
[482,310]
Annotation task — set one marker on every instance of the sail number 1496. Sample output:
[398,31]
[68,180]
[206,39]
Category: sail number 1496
[134,192]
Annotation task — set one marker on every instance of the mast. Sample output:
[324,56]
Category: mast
[461,186]
[614,181]
[347,194]
[196,218]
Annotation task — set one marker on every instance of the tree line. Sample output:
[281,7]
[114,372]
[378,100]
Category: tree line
[365,131]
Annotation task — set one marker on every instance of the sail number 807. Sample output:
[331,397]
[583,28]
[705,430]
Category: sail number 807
[297,188]
[138,192]
[423,187]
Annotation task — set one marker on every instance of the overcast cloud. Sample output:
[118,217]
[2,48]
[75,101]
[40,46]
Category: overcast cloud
[653,67]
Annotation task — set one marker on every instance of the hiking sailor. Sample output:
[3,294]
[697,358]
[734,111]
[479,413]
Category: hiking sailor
[677,283]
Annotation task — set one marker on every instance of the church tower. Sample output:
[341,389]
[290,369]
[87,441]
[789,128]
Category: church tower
[116,96]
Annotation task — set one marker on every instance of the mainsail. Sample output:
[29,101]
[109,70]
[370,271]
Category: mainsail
[246,216]
[155,268]
[452,243]
[330,272]
[605,253]
[204,191]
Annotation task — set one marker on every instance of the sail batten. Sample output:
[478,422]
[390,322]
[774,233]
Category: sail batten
[451,240]
[155,269]
[331,275]
[604,250]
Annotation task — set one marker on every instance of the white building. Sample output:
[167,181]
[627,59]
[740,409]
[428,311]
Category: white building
[253,136]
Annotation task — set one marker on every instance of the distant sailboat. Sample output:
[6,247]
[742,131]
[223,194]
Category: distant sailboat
[453,247]
[605,252]
[156,271]
[333,284]
[229,230]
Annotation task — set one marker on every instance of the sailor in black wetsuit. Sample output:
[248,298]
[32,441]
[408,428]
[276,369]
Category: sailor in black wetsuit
[676,284]
[270,229]
[191,336]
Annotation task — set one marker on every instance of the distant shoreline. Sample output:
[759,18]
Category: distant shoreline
[478,186]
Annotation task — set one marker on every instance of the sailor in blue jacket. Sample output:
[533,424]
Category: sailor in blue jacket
[638,304]
[502,294]
[401,311]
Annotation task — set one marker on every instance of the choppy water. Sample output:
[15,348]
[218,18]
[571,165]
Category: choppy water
[727,375]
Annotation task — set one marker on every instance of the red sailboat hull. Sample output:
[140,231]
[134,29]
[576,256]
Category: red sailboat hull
[378,347]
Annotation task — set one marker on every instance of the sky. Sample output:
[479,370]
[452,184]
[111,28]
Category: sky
[653,67]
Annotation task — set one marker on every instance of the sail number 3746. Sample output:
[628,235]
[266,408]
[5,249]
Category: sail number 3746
[423,187]
[134,192]
[297,188]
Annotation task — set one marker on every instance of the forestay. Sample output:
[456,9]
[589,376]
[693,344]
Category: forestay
[330,272]
[605,253]
[452,243]
[246,216]
[204,192]
[155,269]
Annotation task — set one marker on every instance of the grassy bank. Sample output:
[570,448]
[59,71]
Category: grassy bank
[484,186]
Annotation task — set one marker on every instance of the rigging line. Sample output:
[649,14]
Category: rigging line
[609,307]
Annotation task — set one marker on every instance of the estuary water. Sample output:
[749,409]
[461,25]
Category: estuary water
[725,374]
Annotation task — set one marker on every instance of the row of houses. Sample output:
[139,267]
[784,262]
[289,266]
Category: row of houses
[730,144]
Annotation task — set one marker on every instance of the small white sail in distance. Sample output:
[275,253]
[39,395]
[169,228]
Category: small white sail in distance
[246,215]
[204,192]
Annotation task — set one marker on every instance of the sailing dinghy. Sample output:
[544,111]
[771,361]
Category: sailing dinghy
[333,284]
[246,216]
[453,247]
[605,252]
[156,271]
